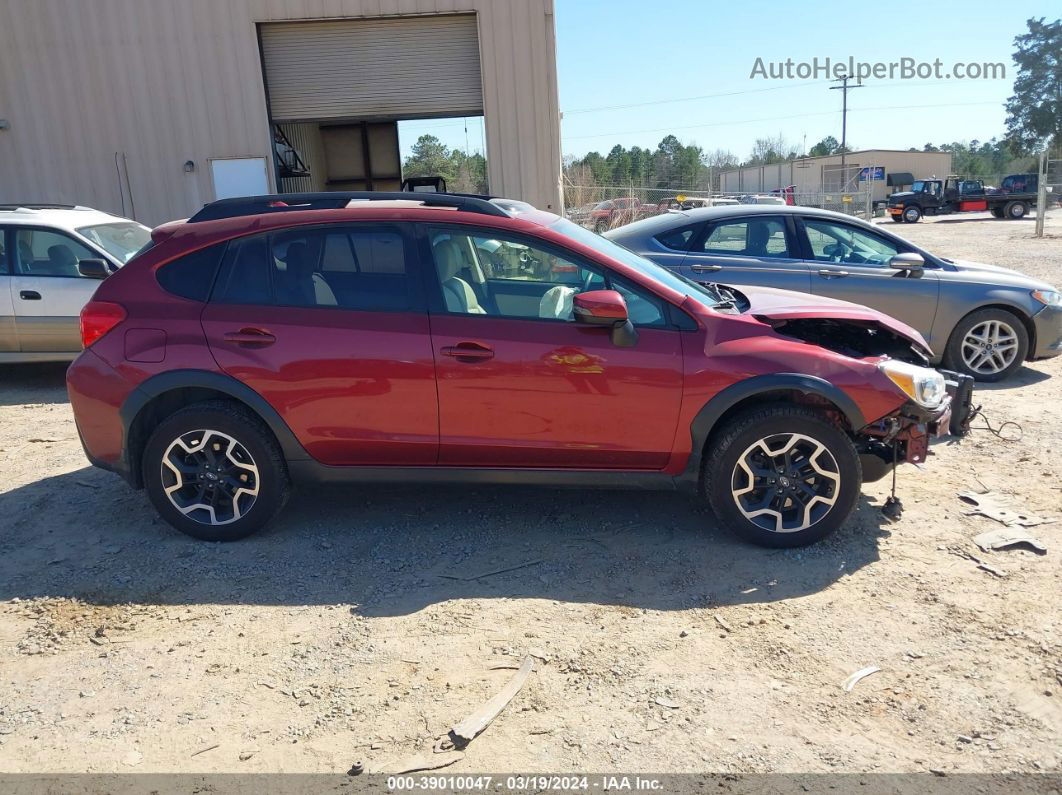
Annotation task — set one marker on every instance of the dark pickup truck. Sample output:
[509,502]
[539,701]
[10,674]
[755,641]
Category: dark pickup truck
[961,195]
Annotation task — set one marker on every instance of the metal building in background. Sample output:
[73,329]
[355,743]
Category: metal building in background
[151,108]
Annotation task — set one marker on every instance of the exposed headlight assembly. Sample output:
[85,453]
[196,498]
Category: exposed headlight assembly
[1049,297]
[924,386]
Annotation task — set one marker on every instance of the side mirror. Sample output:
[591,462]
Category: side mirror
[93,268]
[910,262]
[606,308]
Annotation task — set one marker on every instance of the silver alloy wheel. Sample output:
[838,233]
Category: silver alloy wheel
[911,214]
[990,347]
[786,482]
[209,477]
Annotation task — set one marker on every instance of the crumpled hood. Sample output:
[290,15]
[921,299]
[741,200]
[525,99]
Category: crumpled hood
[770,303]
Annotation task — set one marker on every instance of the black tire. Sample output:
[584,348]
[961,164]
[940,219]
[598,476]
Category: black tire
[912,214]
[720,474]
[997,212]
[266,460]
[953,353]
[1014,210]
[601,226]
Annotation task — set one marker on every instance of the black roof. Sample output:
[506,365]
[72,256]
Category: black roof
[287,202]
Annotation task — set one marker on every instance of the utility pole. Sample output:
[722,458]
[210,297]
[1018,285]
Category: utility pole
[844,88]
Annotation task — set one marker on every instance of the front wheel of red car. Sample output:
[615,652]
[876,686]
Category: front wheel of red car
[782,476]
[214,471]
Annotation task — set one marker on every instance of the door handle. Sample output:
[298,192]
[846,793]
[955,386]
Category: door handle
[250,336]
[826,273]
[706,268]
[469,352]
[29,295]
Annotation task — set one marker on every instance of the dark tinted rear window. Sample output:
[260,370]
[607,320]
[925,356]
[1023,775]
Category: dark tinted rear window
[677,239]
[343,267]
[190,276]
[245,276]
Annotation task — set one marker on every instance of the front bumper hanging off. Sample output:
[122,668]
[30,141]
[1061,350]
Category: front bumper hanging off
[904,436]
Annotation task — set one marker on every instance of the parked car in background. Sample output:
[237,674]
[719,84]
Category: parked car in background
[42,289]
[352,337]
[681,202]
[982,320]
[615,212]
[761,199]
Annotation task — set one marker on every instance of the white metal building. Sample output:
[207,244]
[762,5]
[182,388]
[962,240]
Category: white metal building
[824,174]
[150,108]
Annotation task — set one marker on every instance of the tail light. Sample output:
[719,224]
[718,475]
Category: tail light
[99,317]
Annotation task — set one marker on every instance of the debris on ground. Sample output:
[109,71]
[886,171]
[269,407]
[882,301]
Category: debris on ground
[420,762]
[665,702]
[862,673]
[464,732]
[490,573]
[994,508]
[1009,537]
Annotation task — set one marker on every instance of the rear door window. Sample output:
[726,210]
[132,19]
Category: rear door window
[341,267]
[762,237]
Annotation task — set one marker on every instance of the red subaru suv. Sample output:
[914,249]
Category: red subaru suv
[373,337]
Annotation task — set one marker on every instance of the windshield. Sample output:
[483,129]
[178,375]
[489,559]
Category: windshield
[918,186]
[656,272]
[121,240]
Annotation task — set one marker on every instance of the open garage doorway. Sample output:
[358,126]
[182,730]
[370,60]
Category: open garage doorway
[342,94]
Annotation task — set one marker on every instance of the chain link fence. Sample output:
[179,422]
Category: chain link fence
[604,207]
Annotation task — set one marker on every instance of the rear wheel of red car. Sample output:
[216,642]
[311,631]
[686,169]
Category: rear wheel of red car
[782,476]
[214,471]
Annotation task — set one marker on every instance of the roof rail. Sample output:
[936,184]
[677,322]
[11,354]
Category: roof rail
[287,202]
[37,206]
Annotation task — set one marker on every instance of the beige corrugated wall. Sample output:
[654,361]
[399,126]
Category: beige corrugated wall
[161,82]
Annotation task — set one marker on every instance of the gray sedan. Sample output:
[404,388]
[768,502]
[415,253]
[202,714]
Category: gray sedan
[979,319]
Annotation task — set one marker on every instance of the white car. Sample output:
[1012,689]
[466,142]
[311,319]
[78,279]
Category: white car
[41,289]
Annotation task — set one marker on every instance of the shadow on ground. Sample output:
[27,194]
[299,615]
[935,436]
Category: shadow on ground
[394,550]
[1024,376]
[43,382]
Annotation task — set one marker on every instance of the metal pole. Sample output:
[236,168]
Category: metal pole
[844,89]
[1041,195]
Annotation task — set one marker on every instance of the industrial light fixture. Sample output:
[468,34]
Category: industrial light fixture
[189,166]
[5,124]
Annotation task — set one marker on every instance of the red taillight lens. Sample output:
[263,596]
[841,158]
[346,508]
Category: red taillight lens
[99,317]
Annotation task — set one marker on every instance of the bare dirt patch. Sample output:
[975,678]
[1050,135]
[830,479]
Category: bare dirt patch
[663,644]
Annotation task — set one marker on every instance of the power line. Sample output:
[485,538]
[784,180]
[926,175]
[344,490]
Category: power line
[776,118]
[693,99]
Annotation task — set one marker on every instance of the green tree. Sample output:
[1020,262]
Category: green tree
[827,146]
[1034,111]
[429,157]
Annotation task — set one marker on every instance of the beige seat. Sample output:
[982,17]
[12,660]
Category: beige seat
[301,285]
[458,294]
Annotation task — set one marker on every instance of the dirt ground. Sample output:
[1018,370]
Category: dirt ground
[367,621]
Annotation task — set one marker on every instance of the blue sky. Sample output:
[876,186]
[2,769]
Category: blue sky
[629,52]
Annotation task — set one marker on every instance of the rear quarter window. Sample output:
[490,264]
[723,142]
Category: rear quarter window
[192,275]
[677,239]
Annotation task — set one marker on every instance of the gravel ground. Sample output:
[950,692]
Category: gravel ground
[367,621]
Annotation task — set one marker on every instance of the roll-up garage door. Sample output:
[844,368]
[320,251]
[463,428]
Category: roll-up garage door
[373,68]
